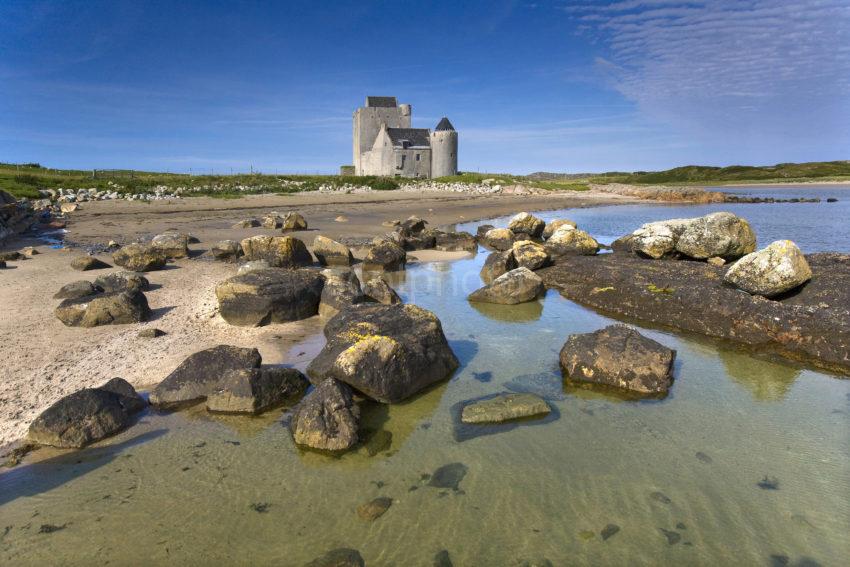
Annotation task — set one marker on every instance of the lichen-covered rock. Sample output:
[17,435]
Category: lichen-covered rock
[569,241]
[87,416]
[172,244]
[278,251]
[332,253]
[293,221]
[252,266]
[377,289]
[497,264]
[455,242]
[76,290]
[504,407]
[247,223]
[526,223]
[327,418]
[718,234]
[554,225]
[342,288]
[530,255]
[139,258]
[226,250]
[517,286]
[499,238]
[385,256]
[104,309]
[422,240]
[620,357]
[271,295]
[256,390]
[387,352]
[273,220]
[85,263]
[482,230]
[773,270]
[658,239]
[202,374]
[122,281]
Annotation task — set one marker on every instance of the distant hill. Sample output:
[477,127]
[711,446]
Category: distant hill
[707,174]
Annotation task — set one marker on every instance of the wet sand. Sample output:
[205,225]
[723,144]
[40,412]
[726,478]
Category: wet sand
[44,360]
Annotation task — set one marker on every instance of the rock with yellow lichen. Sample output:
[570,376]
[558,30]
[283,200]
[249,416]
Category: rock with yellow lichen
[773,270]
[387,352]
[269,295]
[278,251]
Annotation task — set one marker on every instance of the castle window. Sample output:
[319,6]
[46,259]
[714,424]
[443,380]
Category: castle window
[417,157]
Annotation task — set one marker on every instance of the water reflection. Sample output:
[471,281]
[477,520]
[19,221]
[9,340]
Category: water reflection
[521,313]
[767,381]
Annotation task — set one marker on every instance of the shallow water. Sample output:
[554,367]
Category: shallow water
[747,462]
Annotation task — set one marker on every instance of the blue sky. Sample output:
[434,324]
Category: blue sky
[563,86]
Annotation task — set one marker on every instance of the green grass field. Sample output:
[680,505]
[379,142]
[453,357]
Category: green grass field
[24,180]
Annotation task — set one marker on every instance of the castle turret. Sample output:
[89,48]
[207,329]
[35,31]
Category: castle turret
[444,149]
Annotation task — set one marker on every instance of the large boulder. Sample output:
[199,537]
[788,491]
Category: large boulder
[271,295]
[76,290]
[252,266]
[377,289]
[718,234]
[87,416]
[528,224]
[773,270]
[86,263]
[140,257]
[226,250]
[122,281]
[342,288]
[172,244]
[327,418]
[387,352]
[202,374]
[455,242]
[278,251]
[554,225]
[104,309]
[332,253]
[293,221]
[499,238]
[385,256]
[569,241]
[504,407]
[413,225]
[530,255]
[497,264]
[657,239]
[422,240]
[255,390]
[517,286]
[619,357]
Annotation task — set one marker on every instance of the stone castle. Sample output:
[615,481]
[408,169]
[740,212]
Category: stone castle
[386,145]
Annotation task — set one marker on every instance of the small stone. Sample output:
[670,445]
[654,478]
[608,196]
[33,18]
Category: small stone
[673,537]
[341,218]
[342,557]
[442,559]
[609,531]
[505,407]
[371,511]
[660,497]
[150,333]
[448,476]
[85,263]
[716,261]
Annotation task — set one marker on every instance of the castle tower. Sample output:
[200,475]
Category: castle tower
[444,149]
[379,110]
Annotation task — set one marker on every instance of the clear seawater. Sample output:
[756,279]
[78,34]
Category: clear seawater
[747,462]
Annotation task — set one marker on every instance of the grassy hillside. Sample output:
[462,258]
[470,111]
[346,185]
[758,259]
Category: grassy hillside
[783,172]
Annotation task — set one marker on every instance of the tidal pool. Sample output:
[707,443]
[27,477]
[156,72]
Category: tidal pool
[747,462]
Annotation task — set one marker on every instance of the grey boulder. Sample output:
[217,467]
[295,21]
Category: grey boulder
[104,309]
[256,390]
[497,264]
[76,290]
[378,290]
[327,418]
[718,234]
[342,288]
[331,253]
[385,256]
[776,269]
[271,295]
[517,286]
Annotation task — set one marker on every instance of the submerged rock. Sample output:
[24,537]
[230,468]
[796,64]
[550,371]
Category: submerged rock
[255,390]
[448,476]
[385,256]
[387,352]
[278,251]
[139,257]
[85,263]
[718,234]
[526,223]
[104,309]
[620,357]
[778,268]
[87,416]
[342,557]
[122,281]
[271,295]
[530,255]
[497,264]
[374,509]
[332,253]
[76,290]
[226,250]
[327,418]
[504,407]
[377,289]
[517,286]
[202,374]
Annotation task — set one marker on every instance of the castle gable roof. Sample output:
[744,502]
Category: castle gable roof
[416,137]
[444,125]
[381,101]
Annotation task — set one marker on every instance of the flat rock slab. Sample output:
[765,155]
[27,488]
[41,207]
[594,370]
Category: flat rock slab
[270,295]
[202,374]
[255,390]
[812,326]
[504,407]
[85,263]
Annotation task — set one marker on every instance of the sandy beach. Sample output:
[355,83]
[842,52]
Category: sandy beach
[45,360]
